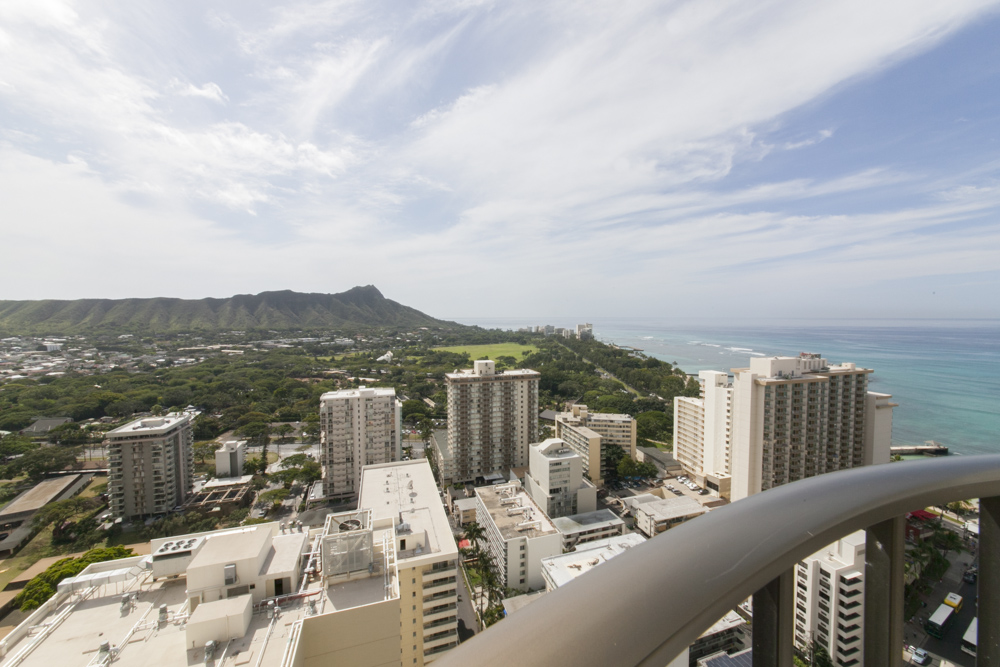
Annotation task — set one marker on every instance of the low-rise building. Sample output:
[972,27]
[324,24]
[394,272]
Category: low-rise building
[555,480]
[465,510]
[655,517]
[518,535]
[222,495]
[579,529]
[561,569]
[230,457]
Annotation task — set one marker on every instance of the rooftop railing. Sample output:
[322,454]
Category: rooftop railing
[647,605]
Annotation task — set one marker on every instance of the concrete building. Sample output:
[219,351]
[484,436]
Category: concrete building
[561,569]
[830,600]
[404,497]
[260,561]
[150,465]
[492,419]
[555,480]
[358,427]
[584,331]
[590,434]
[518,535]
[780,420]
[443,457]
[230,457]
[657,516]
[581,529]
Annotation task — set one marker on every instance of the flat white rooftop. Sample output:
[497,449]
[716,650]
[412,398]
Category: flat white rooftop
[372,392]
[71,635]
[562,569]
[150,425]
[405,492]
[570,525]
[504,503]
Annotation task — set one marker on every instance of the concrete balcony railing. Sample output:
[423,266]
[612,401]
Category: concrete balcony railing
[647,605]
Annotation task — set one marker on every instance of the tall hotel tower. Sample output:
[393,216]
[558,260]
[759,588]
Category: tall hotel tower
[780,420]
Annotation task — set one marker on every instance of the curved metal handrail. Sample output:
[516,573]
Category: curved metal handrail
[647,605]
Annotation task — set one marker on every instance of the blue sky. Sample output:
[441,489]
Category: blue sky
[476,159]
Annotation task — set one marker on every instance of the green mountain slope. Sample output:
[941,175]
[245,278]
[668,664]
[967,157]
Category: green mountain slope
[285,310]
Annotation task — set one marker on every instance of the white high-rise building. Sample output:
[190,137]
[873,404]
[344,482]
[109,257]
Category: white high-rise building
[150,465]
[492,419]
[780,420]
[830,600]
[358,427]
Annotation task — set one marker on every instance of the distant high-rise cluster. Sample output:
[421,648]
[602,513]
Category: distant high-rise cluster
[780,420]
[582,331]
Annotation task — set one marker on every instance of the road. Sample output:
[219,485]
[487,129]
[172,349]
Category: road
[949,647]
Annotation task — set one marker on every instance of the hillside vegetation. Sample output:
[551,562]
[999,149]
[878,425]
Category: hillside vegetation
[279,311]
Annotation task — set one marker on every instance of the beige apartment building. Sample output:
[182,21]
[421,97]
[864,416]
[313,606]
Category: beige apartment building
[358,427]
[492,420]
[590,434]
[404,496]
[780,420]
[150,465]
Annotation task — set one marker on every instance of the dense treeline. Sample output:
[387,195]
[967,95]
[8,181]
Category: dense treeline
[645,374]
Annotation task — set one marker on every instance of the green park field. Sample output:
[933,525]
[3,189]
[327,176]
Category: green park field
[492,350]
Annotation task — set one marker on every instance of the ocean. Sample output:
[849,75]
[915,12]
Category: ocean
[945,375]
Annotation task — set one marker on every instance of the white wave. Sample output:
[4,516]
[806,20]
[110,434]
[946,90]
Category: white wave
[711,345]
[740,349]
[758,354]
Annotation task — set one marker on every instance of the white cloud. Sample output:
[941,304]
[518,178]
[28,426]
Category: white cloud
[209,91]
[592,147]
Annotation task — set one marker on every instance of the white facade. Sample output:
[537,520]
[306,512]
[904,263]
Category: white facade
[492,419]
[230,457]
[518,535]
[780,420]
[150,465]
[555,480]
[830,600]
[358,427]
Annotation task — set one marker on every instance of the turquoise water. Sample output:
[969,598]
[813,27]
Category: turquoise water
[944,375]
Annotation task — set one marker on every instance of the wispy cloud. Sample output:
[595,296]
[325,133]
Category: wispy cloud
[586,145]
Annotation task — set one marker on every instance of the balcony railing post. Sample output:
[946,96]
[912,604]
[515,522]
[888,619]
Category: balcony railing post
[988,640]
[884,545]
[773,619]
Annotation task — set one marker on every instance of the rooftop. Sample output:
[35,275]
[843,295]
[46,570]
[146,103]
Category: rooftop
[513,511]
[671,508]
[150,425]
[358,393]
[38,496]
[94,617]
[562,569]
[405,492]
[567,525]
[221,548]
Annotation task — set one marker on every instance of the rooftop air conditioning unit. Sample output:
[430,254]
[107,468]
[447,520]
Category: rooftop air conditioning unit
[229,573]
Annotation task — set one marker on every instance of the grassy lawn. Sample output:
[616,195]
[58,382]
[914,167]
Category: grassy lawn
[492,351]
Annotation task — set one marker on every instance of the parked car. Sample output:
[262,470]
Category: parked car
[921,657]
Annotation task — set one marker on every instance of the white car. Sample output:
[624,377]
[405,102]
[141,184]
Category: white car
[921,657]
